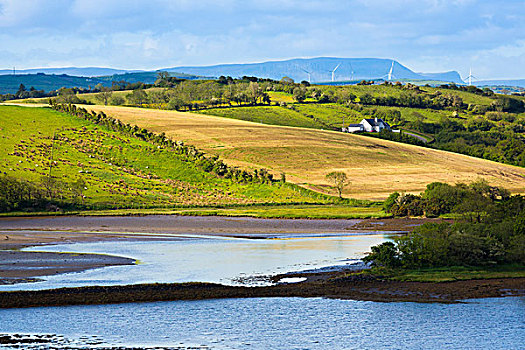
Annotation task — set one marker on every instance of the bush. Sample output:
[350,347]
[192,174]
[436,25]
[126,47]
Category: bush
[385,255]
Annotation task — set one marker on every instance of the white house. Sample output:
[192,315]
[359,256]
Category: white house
[354,128]
[368,125]
[376,124]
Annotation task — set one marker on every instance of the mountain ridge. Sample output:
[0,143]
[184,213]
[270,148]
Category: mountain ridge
[319,70]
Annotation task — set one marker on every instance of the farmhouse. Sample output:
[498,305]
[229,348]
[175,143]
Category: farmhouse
[368,125]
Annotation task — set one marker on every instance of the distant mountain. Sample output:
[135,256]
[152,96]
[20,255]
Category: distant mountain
[509,82]
[144,77]
[319,70]
[451,76]
[10,83]
[48,82]
[74,71]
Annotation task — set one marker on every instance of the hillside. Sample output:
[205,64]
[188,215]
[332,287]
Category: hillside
[47,82]
[143,77]
[320,70]
[76,71]
[9,83]
[460,119]
[113,170]
[375,167]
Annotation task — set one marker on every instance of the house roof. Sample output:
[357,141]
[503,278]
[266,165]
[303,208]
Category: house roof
[372,121]
[354,125]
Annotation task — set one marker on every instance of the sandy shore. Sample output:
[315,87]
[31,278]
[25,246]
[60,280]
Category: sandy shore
[28,231]
[19,232]
[19,267]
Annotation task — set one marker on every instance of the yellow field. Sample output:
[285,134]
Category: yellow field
[375,167]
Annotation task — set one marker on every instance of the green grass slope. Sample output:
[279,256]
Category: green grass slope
[118,171]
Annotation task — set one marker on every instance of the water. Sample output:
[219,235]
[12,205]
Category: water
[223,260]
[283,323]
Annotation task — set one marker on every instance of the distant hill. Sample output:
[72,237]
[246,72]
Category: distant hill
[451,76]
[76,71]
[46,82]
[508,82]
[319,70]
[144,77]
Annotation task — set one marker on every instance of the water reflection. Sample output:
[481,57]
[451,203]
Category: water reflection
[207,260]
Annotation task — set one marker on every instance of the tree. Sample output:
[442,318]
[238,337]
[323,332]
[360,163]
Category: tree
[67,96]
[104,95]
[299,94]
[339,179]
[21,90]
[77,188]
[384,254]
[254,93]
[137,97]
[117,100]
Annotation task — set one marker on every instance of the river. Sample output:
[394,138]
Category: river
[225,260]
[258,323]
[278,323]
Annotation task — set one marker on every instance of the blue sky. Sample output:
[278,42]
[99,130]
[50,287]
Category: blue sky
[425,35]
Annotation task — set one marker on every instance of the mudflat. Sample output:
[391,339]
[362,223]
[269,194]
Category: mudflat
[19,232]
[19,266]
[62,229]
[355,287]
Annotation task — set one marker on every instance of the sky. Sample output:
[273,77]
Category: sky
[424,35]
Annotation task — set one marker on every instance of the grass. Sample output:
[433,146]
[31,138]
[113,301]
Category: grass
[303,211]
[273,115]
[454,273]
[375,167]
[118,171]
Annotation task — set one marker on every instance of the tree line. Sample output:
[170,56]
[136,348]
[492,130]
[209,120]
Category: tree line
[490,230]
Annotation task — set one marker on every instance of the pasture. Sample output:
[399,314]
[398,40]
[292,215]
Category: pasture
[38,144]
[375,167]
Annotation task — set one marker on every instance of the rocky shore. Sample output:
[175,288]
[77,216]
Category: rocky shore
[329,285]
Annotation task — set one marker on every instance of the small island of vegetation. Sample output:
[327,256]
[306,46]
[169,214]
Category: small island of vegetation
[485,239]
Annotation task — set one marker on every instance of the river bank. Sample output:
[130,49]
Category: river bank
[16,233]
[344,284]
[327,285]
[23,267]
[27,231]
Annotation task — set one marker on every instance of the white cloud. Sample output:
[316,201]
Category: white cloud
[424,35]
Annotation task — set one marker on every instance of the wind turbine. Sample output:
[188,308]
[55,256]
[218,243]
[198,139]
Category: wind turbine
[333,72]
[351,71]
[309,74]
[470,76]
[390,73]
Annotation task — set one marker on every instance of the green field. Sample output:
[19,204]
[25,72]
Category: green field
[118,171]
[450,274]
[288,211]
[318,116]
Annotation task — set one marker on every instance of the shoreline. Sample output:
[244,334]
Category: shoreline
[16,233]
[22,267]
[325,285]
[345,284]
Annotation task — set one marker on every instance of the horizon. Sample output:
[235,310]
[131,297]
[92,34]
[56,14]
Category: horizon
[247,63]
[434,36]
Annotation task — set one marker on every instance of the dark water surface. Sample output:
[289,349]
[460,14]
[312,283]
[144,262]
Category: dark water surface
[282,323]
